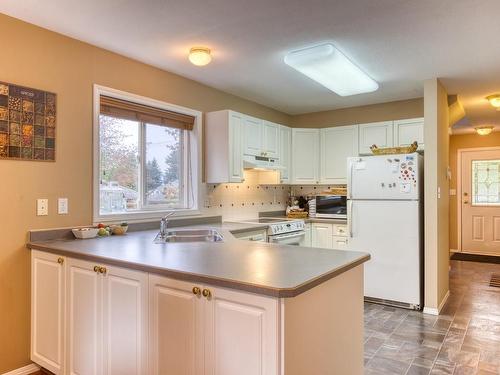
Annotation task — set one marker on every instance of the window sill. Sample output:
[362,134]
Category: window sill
[143,216]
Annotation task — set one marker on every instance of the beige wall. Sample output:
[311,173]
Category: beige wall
[458,142]
[41,59]
[358,115]
[436,209]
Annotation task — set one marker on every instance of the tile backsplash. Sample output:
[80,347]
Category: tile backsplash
[244,200]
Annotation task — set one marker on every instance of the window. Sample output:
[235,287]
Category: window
[486,182]
[147,158]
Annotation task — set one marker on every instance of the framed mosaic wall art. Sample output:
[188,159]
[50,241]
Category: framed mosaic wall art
[27,123]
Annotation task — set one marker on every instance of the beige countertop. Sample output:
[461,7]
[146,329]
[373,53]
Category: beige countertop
[262,268]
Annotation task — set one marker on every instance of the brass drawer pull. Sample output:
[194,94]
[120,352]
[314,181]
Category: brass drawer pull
[96,269]
[196,291]
[60,260]
[207,293]
[103,270]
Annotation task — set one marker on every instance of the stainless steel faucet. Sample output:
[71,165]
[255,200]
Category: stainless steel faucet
[164,224]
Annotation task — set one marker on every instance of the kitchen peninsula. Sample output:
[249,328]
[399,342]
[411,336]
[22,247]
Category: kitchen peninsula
[131,306]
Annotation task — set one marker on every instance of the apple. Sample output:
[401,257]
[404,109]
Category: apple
[102,232]
[101,225]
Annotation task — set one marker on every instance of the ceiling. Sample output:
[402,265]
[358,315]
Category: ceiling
[399,43]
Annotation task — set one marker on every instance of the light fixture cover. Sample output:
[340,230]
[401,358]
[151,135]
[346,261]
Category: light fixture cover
[328,66]
[494,100]
[200,56]
[484,130]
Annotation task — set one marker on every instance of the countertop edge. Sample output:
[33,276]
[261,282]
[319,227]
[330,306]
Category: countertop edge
[186,276]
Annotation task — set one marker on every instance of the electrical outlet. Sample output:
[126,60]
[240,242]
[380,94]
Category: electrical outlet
[62,206]
[42,207]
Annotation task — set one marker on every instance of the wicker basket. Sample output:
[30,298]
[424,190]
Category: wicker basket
[297,215]
[394,150]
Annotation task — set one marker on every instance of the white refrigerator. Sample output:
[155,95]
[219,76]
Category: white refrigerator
[384,210]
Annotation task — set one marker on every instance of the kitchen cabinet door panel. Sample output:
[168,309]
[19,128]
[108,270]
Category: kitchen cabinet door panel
[322,235]
[378,133]
[176,329]
[271,139]
[253,130]
[305,156]
[84,318]
[337,144]
[125,322]
[232,315]
[408,131]
[285,153]
[47,310]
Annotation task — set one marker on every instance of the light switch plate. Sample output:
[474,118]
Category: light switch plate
[42,207]
[62,206]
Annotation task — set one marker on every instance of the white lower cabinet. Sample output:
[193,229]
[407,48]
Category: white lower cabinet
[321,235]
[241,333]
[198,329]
[88,319]
[47,313]
[176,327]
[329,236]
[307,237]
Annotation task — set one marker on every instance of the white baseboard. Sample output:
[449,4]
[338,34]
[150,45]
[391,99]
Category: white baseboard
[26,370]
[433,310]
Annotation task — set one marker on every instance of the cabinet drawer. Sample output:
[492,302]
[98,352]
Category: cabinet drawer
[340,243]
[340,230]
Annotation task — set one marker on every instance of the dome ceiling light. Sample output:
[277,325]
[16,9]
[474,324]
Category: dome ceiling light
[200,56]
[484,130]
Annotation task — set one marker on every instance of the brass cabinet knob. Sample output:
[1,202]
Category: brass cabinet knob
[197,291]
[207,293]
[103,270]
[466,202]
[96,269]
[60,260]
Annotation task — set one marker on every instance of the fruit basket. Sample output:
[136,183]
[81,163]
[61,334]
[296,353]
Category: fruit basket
[394,150]
[297,215]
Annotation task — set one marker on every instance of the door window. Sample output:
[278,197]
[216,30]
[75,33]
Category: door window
[486,182]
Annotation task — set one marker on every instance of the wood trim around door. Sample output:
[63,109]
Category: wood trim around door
[459,188]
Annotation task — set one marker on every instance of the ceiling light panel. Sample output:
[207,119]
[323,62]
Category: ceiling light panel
[328,66]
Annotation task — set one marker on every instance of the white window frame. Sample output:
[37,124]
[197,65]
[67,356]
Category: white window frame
[193,153]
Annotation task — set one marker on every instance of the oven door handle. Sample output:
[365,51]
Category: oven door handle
[287,236]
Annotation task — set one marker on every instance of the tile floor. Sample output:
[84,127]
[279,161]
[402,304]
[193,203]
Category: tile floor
[464,339]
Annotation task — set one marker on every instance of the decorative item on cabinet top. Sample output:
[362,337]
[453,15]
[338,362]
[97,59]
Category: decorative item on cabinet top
[394,150]
[27,123]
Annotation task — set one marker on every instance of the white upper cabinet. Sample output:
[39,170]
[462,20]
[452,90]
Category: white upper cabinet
[271,139]
[337,144]
[253,136]
[224,147]
[305,156]
[408,131]
[285,154]
[375,133]
[261,138]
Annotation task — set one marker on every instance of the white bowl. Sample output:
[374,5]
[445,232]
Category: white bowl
[84,233]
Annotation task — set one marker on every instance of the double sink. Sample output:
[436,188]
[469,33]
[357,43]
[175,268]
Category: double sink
[188,235]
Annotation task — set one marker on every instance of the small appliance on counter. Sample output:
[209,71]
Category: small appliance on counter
[331,206]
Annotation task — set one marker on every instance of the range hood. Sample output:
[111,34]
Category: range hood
[261,163]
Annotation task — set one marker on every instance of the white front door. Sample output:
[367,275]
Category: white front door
[480,190]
